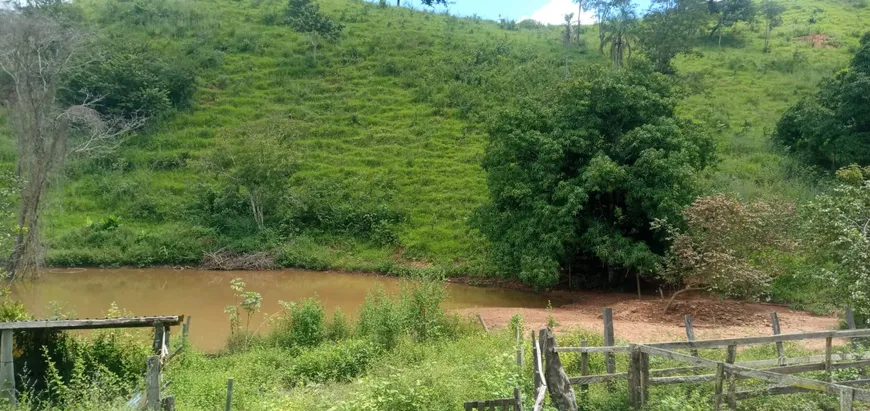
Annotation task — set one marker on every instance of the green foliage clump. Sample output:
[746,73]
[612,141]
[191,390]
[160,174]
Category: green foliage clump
[584,177]
[839,240]
[132,80]
[670,28]
[831,128]
[336,362]
[381,319]
[339,328]
[362,211]
[301,324]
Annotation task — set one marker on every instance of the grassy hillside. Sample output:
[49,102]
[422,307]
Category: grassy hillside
[391,117]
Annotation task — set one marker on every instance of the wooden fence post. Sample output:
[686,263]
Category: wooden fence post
[168,404]
[644,378]
[483,323]
[7,367]
[846,396]
[720,384]
[829,346]
[186,329]
[558,384]
[584,367]
[731,358]
[535,364]
[229,395]
[780,351]
[520,354]
[850,322]
[634,377]
[152,383]
[157,347]
[690,333]
[609,339]
[518,400]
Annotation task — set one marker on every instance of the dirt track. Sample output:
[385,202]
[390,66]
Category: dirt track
[644,320]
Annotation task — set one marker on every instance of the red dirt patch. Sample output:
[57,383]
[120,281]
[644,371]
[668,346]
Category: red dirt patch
[818,41]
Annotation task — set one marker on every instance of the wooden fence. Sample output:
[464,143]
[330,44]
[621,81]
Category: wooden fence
[775,372]
[160,324]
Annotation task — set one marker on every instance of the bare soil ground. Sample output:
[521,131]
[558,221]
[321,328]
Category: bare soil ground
[818,41]
[644,320]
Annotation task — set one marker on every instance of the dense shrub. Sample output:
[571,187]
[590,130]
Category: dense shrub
[361,210]
[729,247]
[132,79]
[381,319]
[301,324]
[339,328]
[334,362]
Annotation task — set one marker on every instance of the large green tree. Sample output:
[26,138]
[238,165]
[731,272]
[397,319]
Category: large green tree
[582,178]
[727,13]
[670,28]
[832,128]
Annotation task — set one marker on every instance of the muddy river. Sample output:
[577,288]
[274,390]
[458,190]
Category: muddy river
[89,293]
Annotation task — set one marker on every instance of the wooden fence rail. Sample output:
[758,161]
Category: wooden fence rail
[778,372]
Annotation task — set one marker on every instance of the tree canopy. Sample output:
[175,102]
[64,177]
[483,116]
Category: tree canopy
[832,128]
[582,179]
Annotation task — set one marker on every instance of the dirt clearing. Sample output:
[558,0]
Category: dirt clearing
[644,320]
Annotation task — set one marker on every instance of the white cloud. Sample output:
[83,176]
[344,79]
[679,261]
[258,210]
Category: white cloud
[554,13]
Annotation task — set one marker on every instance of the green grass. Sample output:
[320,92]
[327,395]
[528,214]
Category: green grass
[397,106]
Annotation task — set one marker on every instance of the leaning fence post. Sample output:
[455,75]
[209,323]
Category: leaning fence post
[536,365]
[780,351]
[152,383]
[482,323]
[690,333]
[229,394]
[556,380]
[7,367]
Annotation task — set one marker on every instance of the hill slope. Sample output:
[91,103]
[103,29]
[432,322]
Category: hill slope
[389,120]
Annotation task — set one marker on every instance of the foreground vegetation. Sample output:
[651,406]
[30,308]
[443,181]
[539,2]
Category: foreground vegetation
[402,353]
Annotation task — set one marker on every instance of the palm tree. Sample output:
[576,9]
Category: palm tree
[621,32]
[567,36]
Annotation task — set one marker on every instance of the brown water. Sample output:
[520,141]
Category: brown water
[204,294]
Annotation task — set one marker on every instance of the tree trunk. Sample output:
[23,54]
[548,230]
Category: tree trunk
[767,39]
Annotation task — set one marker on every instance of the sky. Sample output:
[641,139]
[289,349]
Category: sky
[544,11]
